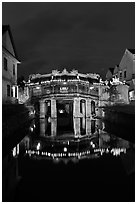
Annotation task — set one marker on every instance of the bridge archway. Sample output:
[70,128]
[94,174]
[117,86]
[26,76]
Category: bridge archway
[64,116]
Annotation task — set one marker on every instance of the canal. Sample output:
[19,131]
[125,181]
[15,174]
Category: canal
[98,166]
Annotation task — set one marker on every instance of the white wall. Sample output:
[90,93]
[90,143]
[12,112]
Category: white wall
[127,63]
[6,42]
[7,76]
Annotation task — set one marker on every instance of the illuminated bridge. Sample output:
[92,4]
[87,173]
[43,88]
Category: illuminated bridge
[65,99]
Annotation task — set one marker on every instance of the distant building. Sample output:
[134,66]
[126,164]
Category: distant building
[127,66]
[127,71]
[109,74]
[116,73]
[9,67]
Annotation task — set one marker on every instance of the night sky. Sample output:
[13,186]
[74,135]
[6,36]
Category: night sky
[89,37]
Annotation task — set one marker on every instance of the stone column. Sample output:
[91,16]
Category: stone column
[76,123]
[88,108]
[42,109]
[53,126]
[88,126]
[76,107]
[53,108]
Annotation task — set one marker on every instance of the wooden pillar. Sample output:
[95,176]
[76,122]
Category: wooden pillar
[17,92]
[88,108]
[88,126]
[53,108]
[84,108]
[42,127]
[76,123]
[53,126]
[76,107]
[83,122]
[42,109]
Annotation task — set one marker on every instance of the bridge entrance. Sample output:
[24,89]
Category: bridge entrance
[64,116]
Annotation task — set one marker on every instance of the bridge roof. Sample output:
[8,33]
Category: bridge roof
[64,73]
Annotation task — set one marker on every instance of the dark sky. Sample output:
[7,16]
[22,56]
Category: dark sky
[90,37]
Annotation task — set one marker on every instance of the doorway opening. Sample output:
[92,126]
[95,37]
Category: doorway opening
[64,117]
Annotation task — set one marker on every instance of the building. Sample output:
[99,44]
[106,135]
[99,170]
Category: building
[125,72]
[65,95]
[9,67]
[109,74]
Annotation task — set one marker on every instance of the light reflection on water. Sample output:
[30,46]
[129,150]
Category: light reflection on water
[72,146]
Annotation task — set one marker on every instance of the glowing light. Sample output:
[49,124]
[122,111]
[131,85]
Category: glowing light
[38,146]
[65,149]
[14,152]
[31,129]
[61,111]
[31,113]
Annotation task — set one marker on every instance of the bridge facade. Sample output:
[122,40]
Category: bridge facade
[69,95]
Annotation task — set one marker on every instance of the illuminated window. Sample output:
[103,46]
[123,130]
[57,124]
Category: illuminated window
[8,90]
[5,64]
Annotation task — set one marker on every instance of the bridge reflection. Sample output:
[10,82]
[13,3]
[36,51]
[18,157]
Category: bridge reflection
[81,127]
[68,147]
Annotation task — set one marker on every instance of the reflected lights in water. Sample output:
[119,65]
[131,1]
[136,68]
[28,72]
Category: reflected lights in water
[15,151]
[64,147]
[77,155]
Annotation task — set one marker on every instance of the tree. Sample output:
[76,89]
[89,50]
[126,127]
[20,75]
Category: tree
[21,82]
